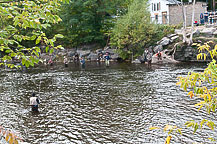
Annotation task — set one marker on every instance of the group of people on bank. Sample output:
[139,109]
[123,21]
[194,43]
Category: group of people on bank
[148,57]
[106,57]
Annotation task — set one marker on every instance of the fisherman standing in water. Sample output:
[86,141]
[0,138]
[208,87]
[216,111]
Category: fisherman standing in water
[149,59]
[66,62]
[34,101]
[107,58]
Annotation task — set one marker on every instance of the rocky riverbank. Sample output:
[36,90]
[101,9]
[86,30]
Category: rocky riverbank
[171,48]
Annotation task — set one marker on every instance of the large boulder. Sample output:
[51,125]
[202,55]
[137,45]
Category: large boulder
[186,53]
[164,58]
[171,35]
[110,51]
[172,39]
[158,48]
[92,57]
[115,56]
[178,31]
[98,51]
[208,31]
[196,32]
[165,41]
[215,32]
[136,61]
[83,52]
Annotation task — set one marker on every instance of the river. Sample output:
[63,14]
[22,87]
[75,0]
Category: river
[99,105]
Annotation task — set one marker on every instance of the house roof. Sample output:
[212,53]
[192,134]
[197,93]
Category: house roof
[173,1]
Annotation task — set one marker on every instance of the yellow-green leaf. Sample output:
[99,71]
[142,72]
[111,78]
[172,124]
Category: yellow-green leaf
[7,137]
[168,140]
[152,128]
[168,127]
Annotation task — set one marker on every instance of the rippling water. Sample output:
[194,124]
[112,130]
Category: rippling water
[98,104]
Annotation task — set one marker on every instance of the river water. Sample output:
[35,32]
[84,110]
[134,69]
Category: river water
[99,105]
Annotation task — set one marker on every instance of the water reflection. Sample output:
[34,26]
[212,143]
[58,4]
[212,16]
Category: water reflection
[97,104]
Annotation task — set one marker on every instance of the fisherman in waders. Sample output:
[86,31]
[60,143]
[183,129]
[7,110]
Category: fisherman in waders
[66,62]
[34,101]
[149,59]
[107,58]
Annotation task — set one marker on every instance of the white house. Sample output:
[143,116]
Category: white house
[160,10]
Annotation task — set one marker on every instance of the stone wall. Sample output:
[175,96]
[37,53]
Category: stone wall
[176,17]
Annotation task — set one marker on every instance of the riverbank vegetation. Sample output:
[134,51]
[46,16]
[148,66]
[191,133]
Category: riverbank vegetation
[124,25]
[134,31]
[23,25]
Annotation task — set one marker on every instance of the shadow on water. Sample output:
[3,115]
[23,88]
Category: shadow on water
[98,104]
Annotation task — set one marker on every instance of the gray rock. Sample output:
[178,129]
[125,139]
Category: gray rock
[158,42]
[158,48]
[92,56]
[71,54]
[178,31]
[115,56]
[165,41]
[98,51]
[136,61]
[150,49]
[171,35]
[208,31]
[174,38]
[111,51]
[196,32]
[215,32]
[83,52]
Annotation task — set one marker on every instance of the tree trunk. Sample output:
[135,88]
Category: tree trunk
[184,23]
[192,23]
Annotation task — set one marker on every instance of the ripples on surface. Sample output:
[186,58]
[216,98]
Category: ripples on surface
[115,104]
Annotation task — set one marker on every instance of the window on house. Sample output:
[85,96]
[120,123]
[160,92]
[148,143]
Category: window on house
[154,7]
[156,18]
[157,6]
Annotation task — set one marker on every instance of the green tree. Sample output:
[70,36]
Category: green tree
[86,22]
[134,31]
[24,22]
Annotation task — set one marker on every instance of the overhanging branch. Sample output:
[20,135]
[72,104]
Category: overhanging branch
[1,2]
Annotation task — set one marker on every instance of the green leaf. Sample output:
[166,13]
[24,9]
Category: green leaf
[47,48]
[33,37]
[8,51]
[23,61]
[59,36]
[27,63]
[180,131]
[31,63]
[202,122]
[36,53]
[38,40]
[13,54]
[195,127]
[51,50]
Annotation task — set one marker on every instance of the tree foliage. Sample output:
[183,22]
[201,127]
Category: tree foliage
[7,136]
[24,22]
[86,22]
[202,86]
[134,31]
